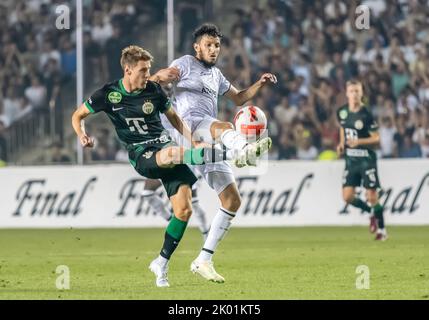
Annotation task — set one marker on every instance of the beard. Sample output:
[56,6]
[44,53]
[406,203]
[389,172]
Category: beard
[206,63]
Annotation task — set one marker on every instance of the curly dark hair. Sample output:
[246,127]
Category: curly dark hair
[206,29]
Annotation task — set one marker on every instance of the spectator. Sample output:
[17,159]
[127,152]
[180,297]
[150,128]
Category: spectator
[287,149]
[425,146]
[36,93]
[58,155]
[101,29]
[409,149]
[306,151]
[387,134]
[3,144]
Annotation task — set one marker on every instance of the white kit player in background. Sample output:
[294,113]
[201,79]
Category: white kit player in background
[195,96]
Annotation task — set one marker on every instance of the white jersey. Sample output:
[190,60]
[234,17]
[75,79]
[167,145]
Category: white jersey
[194,98]
[196,92]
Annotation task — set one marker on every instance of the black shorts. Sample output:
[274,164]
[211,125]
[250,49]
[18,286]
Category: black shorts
[361,172]
[144,162]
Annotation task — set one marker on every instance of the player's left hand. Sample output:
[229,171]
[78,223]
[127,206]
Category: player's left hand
[352,143]
[268,78]
[167,75]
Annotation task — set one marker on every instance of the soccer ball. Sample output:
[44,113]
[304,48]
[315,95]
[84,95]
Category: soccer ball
[250,121]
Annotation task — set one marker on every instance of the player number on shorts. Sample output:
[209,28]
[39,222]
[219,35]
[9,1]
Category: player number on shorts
[137,124]
[351,134]
[345,174]
[371,176]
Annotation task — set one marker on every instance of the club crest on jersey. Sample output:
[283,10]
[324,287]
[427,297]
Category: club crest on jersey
[148,154]
[147,107]
[359,124]
[343,114]
[114,97]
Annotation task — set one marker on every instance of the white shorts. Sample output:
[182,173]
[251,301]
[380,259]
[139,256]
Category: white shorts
[218,175]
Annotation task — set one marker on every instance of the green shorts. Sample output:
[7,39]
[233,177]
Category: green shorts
[361,171]
[143,159]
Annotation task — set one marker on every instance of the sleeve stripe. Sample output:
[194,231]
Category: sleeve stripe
[229,87]
[167,106]
[89,107]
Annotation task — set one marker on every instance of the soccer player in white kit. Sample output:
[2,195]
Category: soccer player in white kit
[195,96]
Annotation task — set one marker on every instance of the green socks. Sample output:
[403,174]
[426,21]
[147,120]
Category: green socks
[174,233]
[204,155]
[194,156]
[378,212]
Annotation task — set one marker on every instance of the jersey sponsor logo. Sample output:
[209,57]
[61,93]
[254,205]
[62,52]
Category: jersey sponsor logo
[359,124]
[116,109]
[209,91]
[147,107]
[161,139]
[343,114]
[114,97]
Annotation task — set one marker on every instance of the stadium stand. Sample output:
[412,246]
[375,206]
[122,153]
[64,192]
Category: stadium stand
[312,46]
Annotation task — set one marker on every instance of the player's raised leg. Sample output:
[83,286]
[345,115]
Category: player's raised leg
[372,196]
[230,203]
[242,151]
[349,196]
[171,156]
[182,208]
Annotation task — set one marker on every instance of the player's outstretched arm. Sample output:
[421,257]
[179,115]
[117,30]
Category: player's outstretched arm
[166,76]
[242,96]
[79,127]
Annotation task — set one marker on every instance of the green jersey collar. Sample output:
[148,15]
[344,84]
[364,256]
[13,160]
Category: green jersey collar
[125,92]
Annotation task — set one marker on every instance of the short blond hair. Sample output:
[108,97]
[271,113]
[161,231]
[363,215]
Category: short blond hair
[354,82]
[131,55]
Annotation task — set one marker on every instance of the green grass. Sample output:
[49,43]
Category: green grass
[263,263]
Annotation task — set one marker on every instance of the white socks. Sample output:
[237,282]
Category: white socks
[155,202]
[162,261]
[219,227]
[382,231]
[233,140]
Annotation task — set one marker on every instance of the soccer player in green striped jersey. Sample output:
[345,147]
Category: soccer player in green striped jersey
[358,137]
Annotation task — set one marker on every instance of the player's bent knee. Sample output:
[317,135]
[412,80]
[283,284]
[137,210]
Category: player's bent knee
[232,203]
[348,197]
[372,196]
[169,157]
[183,213]
[219,127]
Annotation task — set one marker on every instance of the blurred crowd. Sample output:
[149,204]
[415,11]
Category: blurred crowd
[38,54]
[312,46]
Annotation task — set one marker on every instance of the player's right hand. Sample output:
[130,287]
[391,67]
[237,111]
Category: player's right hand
[86,141]
[340,149]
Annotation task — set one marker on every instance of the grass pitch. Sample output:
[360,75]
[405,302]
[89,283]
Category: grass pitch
[260,263]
